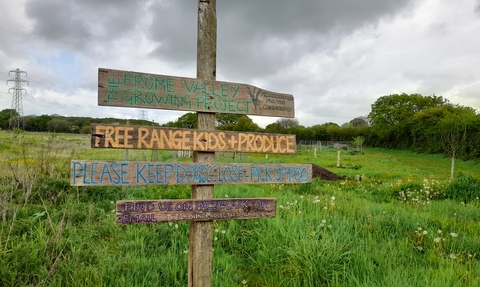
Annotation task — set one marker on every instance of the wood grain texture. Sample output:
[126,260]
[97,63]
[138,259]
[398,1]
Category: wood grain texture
[122,173]
[141,90]
[159,138]
[153,211]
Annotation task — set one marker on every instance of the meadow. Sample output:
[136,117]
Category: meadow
[395,220]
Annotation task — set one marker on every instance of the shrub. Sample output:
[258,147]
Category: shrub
[464,188]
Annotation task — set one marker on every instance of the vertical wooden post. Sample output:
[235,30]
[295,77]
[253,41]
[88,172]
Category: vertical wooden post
[200,252]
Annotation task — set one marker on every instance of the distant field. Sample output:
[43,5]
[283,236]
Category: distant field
[396,220]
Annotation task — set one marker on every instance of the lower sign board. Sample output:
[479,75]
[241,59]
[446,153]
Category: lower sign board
[151,211]
[119,173]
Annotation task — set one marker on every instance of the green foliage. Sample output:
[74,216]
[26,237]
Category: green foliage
[465,188]
[188,120]
[355,232]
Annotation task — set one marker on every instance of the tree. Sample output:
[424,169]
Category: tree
[287,123]
[188,121]
[227,121]
[391,116]
[358,141]
[452,132]
[245,124]
[359,122]
[5,116]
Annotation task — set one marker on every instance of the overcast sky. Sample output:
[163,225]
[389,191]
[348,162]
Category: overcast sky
[335,57]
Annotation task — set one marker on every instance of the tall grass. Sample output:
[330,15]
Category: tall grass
[396,220]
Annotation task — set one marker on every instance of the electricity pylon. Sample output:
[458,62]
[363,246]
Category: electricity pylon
[17,104]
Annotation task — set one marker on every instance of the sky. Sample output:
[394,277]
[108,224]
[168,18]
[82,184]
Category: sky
[335,57]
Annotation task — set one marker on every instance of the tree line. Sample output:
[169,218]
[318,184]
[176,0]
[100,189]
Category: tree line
[427,124]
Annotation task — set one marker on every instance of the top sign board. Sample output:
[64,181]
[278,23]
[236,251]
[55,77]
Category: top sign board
[139,90]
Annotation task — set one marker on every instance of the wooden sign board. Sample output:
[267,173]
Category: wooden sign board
[119,173]
[140,137]
[139,90]
[152,211]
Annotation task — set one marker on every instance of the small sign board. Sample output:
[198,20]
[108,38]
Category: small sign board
[158,138]
[139,90]
[119,173]
[152,211]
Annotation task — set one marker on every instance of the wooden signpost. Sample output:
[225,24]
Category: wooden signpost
[139,90]
[207,97]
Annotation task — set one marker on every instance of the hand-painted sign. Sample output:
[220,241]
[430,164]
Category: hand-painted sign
[135,137]
[139,90]
[151,211]
[118,173]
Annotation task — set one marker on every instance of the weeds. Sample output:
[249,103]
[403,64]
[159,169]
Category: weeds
[395,222]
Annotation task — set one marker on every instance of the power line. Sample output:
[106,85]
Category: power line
[17,104]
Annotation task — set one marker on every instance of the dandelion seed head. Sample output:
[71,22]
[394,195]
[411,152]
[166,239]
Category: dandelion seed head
[453,256]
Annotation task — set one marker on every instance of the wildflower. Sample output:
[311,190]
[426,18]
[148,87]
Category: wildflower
[329,226]
[244,282]
[439,231]
[185,251]
[333,198]
[176,226]
[226,195]
[223,231]
[312,234]
[301,196]
[453,256]
[215,238]
[420,248]
[324,221]
[453,234]
[170,224]
[316,201]
[216,230]
[437,239]
[424,232]
[281,206]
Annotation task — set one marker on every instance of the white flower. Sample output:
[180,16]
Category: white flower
[453,256]
[333,197]
[176,226]
[301,196]
[439,231]
[244,282]
[223,231]
[324,221]
[185,251]
[424,232]
[453,234]
[329,226]
[437,239]
[226,195]
[216,230]
[215,238]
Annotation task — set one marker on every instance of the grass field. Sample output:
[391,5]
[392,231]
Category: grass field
[396,220]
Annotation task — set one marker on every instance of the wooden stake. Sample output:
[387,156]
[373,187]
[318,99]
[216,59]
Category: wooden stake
[200,251]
